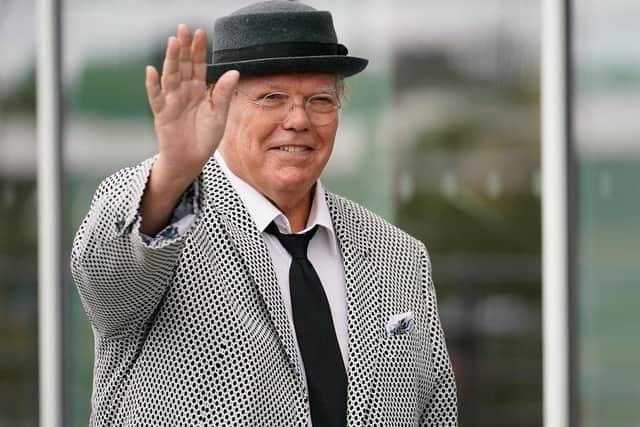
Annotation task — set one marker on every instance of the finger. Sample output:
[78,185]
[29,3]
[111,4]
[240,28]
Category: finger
[223,92]
[186,66]
[170,67]
[154,92]
[199,55]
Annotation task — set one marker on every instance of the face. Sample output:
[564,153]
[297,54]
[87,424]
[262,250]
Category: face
[281,160]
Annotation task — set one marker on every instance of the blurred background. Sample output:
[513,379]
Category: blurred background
[441,136]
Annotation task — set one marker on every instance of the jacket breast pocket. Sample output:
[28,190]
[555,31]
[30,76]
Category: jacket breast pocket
[403,354]
[400,380]
[407,343]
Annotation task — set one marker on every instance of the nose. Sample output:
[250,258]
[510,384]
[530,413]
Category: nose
[297,119]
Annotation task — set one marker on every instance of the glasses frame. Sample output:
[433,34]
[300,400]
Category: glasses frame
[291,104]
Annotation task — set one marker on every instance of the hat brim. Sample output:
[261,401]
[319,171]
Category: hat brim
[342,65]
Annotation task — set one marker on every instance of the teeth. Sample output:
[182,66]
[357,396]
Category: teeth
[293,148]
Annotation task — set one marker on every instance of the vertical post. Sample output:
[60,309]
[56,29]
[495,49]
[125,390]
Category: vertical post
[50,247]
[555,233]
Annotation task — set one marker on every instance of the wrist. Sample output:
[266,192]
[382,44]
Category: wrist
[171,177]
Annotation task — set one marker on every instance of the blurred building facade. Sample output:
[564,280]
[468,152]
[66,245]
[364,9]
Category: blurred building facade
[607,136]
[441,136]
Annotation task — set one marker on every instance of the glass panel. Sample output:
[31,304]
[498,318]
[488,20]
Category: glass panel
[466,182]
[607,102]
[18,217]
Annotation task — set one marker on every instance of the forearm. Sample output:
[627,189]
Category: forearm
[120,278]
[161,195]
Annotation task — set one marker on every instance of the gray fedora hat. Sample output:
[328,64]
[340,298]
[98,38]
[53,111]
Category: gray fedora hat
[279,37]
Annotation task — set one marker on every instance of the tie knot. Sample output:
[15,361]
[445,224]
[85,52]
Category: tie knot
[295,244]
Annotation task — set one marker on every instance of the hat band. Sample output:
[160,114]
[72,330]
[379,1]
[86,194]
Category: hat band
[278,50]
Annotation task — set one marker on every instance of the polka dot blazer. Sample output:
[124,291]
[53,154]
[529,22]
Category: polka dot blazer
[193,331]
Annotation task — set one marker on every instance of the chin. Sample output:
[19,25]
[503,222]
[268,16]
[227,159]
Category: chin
[294,184]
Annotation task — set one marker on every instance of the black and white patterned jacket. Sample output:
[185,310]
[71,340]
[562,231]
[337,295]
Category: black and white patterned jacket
[193,331]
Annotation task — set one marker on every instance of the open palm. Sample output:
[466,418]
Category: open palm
[189,123]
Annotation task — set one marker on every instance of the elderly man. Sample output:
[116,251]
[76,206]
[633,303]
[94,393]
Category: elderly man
[224,284]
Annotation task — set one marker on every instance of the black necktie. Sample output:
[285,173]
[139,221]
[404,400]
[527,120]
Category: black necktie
[326,376]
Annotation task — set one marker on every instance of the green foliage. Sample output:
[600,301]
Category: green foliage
[18,210]
[112,89]
[23,97]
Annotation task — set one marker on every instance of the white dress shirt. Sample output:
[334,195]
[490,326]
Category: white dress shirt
[323,252]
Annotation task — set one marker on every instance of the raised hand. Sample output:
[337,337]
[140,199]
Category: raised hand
[189,122]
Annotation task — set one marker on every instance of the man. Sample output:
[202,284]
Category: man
[224,284]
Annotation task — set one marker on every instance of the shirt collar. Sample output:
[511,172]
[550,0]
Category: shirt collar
[264,212]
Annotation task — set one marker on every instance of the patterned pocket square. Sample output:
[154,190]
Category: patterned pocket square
[400,324]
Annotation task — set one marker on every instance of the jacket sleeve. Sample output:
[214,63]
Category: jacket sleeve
[120,278]
[442,409]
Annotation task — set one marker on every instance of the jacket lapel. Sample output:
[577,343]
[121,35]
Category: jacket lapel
[251,251]
[364,318]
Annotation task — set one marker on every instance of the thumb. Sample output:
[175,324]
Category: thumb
[223,91]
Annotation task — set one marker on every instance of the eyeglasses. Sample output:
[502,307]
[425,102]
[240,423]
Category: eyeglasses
[321,108]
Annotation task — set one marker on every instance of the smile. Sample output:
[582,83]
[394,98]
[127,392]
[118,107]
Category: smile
[293,148]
